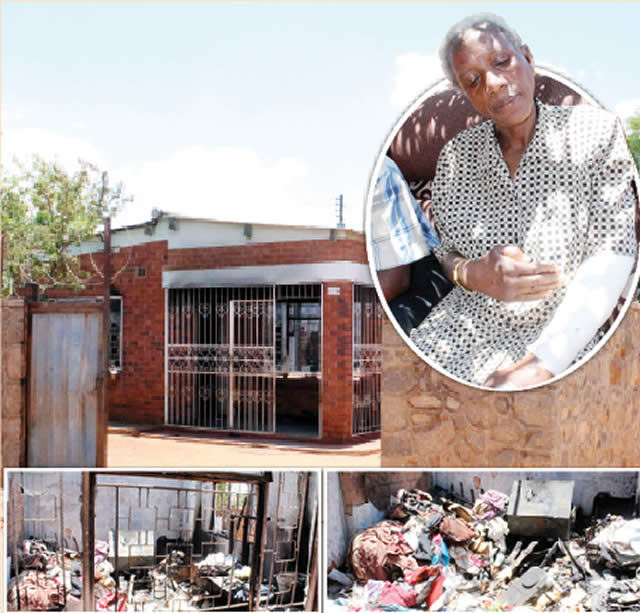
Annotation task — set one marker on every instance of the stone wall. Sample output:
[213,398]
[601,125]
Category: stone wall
[588,418]
[13,382]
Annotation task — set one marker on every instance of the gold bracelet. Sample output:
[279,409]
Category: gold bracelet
[456,277]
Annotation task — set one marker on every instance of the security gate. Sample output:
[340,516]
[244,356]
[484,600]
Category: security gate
[367,359]
[252,366]
[221,358]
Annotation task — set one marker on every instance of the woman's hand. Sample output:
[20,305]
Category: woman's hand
[525,373]
[507,274]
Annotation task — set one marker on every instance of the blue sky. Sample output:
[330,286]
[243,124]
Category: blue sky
[260,111]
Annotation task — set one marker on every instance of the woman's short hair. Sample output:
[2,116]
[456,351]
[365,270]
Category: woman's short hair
[487,22]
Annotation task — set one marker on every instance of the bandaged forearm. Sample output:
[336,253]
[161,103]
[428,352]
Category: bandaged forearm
[590,298]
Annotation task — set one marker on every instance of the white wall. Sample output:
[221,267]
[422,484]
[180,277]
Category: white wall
[335,522]
[341,527]
[587,483]
[192,233]
[46,501]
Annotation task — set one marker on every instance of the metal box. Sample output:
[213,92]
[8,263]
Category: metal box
[540,508]
[135,548]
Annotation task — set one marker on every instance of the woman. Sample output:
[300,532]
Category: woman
[535,209]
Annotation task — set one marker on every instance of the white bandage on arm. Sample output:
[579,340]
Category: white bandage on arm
[590,298]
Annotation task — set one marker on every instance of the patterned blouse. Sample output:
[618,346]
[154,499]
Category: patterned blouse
[572,197]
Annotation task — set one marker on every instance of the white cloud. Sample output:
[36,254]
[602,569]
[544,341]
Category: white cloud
[626,108]
[12,115]
[415,72]
[23,143]
[225,183]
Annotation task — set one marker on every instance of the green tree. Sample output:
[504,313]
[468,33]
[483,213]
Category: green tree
[45,212]
[633,136]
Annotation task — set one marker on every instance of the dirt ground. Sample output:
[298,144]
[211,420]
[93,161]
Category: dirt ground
[130,448]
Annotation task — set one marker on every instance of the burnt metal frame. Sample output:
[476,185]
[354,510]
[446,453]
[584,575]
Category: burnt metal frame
[260,483]
[292,540]
[88,520]
[58,507]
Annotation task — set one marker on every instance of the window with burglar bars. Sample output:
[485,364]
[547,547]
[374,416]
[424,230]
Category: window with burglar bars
[367,359]
[115,333]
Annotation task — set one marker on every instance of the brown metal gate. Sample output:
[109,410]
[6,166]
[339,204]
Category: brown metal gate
[66,421]
[367,360]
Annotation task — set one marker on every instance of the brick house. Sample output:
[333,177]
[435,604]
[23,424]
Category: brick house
[231,327]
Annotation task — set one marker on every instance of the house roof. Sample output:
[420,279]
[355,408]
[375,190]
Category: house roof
[157,215]
[183,232]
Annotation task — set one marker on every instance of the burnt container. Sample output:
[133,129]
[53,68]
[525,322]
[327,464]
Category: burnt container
[540,508]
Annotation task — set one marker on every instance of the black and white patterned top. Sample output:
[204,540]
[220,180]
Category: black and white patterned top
[572,197]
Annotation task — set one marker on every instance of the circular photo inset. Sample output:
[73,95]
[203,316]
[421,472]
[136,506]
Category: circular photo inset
[502,217]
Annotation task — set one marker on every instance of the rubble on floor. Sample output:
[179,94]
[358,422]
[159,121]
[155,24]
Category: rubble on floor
[41,584]
[173,584]
[452,555]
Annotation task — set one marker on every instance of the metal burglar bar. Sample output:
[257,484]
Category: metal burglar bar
[286,586]
[165,538]
[367,359]
[223,347]
[252,366]
[221,358]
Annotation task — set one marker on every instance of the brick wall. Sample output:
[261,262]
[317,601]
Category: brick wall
[337,360]
[268,254]
[588,418]
[137,393]
[13,382]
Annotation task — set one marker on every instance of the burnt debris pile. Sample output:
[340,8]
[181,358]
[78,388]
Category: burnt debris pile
[523,551]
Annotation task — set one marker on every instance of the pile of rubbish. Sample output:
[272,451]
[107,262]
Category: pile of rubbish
[177,585]
[49,579]
[454,555]
[52,581]
[39,585]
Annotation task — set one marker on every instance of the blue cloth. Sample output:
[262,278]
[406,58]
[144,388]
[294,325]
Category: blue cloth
[400,231]
[441,555]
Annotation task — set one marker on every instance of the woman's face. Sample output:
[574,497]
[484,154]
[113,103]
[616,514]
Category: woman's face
[496,78]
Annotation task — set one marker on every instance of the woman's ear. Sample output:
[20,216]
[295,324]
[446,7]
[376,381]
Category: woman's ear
[526,52]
